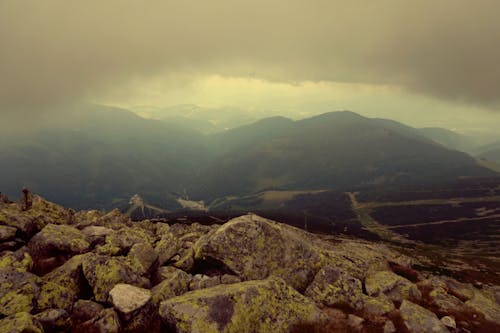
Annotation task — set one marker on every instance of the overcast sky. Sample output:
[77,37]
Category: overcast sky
[422,62]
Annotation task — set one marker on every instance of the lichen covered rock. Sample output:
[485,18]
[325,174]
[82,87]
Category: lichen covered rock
[254,306]
[417,319]
[392,285]
[332,287]
[256,248]
[18,292]
[21,322]
[174,282]
[55,239]
[104,272]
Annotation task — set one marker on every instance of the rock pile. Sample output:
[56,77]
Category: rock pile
[89,271]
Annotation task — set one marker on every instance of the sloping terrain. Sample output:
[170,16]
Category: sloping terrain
[91,271]
[100,157]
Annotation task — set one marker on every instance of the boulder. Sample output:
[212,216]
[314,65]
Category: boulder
[392,285]
[121,241]
[253,306]
[174,282]
[167,246]
[54,320]
[128,299]
[104,272]
[17,261]
[186,261]
[96,235]
[255,248]
[85,218]
[18,292]
[485,305]
[134,308]
[417,319]
[7,233]
[332,287]
[201,281]
[143,257]
[106,321]
[58,239]
[64,285]
[84,310]
[377,308]
[444,303]
[21,322]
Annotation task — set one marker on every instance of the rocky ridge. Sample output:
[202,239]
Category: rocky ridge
[91,271]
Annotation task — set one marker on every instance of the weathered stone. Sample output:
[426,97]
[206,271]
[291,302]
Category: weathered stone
[167,247]
[445,303]
[104,272]
[392,285]
[174,282]
[201,281]
[485,305]
[17,261]
[254,306]
[21,322]
[167,272]
[7,233]
[84,310]
[62,287]
[256,248]
[229,279]
[420,320]
[376,308]
[121,241]
[332,287]
[355,323]
[106,322]
[143,257]
[18,292]
[389,327]
[54,320]
[96,235]
[85,218]
[449,322]
[186,262]
[463,291]
[128,299]
[55,239]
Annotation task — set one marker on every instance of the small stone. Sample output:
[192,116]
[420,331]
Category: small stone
[389,327]
[449,322]
[355,323]
[128,299]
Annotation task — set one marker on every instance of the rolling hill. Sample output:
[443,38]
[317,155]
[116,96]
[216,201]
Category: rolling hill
[101,156]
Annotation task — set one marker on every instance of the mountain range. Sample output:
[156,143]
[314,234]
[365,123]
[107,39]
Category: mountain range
[102,156]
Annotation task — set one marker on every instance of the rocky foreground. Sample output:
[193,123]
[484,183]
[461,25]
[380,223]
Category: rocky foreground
[89,271]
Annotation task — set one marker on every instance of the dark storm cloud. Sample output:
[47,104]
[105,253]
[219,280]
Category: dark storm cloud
[55,52]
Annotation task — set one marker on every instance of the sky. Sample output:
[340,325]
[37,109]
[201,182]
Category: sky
[426,63]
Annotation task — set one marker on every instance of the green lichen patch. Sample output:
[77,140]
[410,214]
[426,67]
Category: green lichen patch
[254,306]
[21,322]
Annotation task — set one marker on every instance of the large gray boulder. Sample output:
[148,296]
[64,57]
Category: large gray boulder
[254,306]
[256,248]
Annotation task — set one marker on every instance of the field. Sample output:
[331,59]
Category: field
[458,224]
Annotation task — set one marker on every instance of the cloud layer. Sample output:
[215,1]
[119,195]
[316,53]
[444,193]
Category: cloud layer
[58,51]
